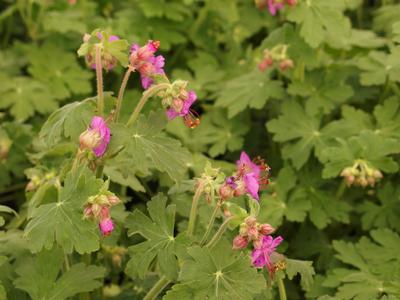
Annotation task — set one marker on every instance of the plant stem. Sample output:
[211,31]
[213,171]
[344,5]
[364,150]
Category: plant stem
[210,224]
[146,95]
[99,171]
[282,291]
[121,92]
[193,210]
[219,233]
[66,261]
[99,78]
[157,288]
[341,189]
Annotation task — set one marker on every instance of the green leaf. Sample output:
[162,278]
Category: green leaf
[158,230]
[25,96]
[146,147]
[383,212]
[323,90]
[321,21]
[375,266]
[220,274]
[249,90]
[295,125]
[64,21]
[62,221]
[59,70]
[303,268]
[378,67]
[368,146]
[160,8]
[67,122]
[39,277]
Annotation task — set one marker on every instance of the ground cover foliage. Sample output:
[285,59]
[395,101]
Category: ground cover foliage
[102,197]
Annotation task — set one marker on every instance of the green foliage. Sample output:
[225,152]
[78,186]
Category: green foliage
[329,100]
[218,274]
[39,277]
[61,221]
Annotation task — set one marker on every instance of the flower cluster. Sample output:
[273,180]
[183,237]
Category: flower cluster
[263,244]
[96,138]
[278,55]
[361,174]
[108,61]
[251,231]
[39,178]
[250,177]
[209,182]
[274,5]
[98,208]
[146,63]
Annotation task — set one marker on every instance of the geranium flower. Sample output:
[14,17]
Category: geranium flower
[182,107]
[262,256]
[146,63]
[96,137]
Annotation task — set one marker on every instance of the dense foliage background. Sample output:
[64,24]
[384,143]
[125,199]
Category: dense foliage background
[329,127]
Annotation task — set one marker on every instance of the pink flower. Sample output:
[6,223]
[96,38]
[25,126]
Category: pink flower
[96,137]
[274,6]
[250,173]
[262,256]
[146,63]
[106,226]
[181,107]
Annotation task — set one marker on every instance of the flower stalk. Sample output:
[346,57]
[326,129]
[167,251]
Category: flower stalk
[217,236]
[157,288]
[193,210]
[146,96]
[282,290]
[210,224]
[121,92]
[99,79]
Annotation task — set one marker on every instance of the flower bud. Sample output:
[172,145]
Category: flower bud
[225,192]
[104,213]
[291,2]
[89,139]
[243,229]
[88,212]
[257,243]
[250,221]
[253,234]
[240,242]
[266,229]
[286,64]
[113,200]
[377,174]
[106,226]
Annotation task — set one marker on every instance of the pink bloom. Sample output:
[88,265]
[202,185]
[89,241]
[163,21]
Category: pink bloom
[106,226]
[146,63]
[96,137]
[250,174]
[262,256]
[274,6]
[185,108]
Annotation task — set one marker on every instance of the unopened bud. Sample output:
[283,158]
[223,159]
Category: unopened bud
[257,244]
[253,234]
[291,2]
[89,139]
[250,221]
[106,226]
[113,200]
[286,64]
[240,242]
[86,37]
[225,192]
[350,180]
[266,229]
[227,213]
[88,212]
[117,260]
[243,229]
[378,174]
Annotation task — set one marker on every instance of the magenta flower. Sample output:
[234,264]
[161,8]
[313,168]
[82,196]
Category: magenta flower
[250,173]
[106,226]
[274,6]
[182,108]
[262,256]
[146,63]
[96,137]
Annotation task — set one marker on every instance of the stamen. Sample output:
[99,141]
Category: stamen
[191,120]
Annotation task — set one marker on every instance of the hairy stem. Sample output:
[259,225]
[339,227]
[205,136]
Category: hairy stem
[157,288]
[193,210]
[146,95]
[99,78]
[121,92]
[282,291]
[219,233]
[210,224]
